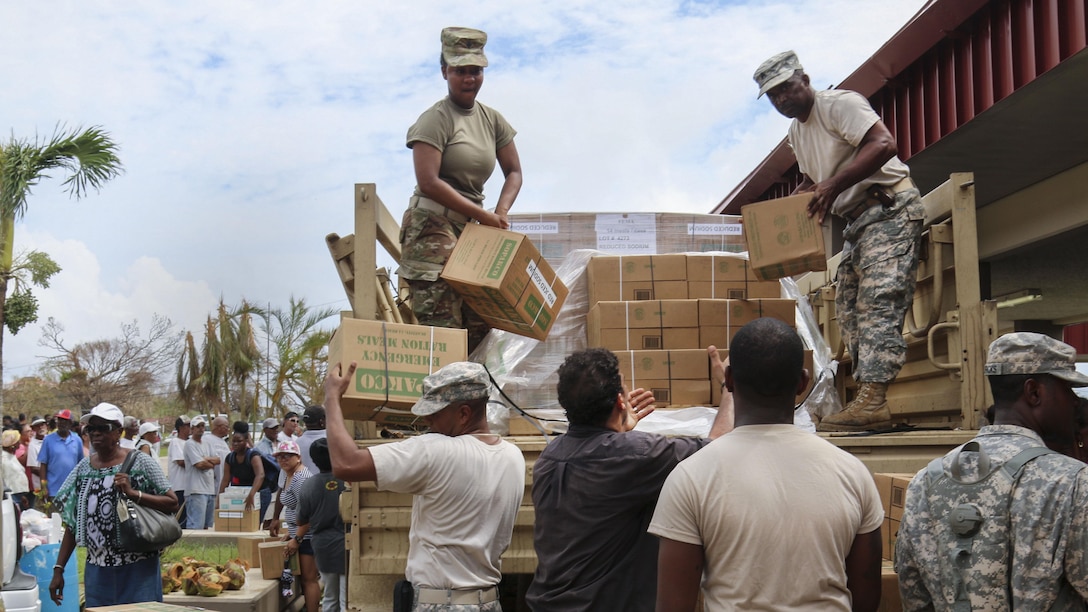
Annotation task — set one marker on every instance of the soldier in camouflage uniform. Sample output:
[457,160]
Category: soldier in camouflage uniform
[467,485]
[848,159]
[455,145]
[1018,539]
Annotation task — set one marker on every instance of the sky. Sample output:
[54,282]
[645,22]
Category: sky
[243,127]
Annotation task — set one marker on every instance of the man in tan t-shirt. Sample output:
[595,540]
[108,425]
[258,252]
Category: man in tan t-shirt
[768,516]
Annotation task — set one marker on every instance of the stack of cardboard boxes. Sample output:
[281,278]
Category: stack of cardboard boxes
[893,495]
[231,514]
[641,307]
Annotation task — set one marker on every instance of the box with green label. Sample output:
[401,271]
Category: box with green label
[502,276]
[391,361]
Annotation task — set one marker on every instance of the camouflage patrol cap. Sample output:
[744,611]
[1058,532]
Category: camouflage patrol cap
[458,382]
[776,70]
[1030,353]
[463,47]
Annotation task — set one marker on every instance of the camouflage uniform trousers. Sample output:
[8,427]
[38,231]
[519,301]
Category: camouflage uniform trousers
[426,240]
[876,280]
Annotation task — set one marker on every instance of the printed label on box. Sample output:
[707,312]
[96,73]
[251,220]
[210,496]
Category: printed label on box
[541,284]
[627,234]
[535,228]
[715,229]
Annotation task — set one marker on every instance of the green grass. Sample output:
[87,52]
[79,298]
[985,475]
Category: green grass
[212,553]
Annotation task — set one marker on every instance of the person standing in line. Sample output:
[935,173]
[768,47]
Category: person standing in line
[595,488]
[60,453]
[1019,539]
[33,450]
[219,447]
[467,485]
[200,465]
[314,419]
[293,476]
[130,432]
[14,473]
[848,158]
[146,439]
[243,467]
[266,446]
[175,457]
[87,503]
[455,145]
[319,516]
[290,428]
[768,516]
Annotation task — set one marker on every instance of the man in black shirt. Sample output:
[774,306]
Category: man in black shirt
[595,488]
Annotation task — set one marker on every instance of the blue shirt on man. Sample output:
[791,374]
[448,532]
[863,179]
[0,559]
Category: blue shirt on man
[60,456]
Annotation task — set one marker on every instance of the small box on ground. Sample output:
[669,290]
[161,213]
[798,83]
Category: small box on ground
[782,239]
[392,359]
[502,276]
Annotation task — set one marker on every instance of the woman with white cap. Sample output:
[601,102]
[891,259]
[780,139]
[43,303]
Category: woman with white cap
[147,438]
[87,502]
[455,145]
[292,475]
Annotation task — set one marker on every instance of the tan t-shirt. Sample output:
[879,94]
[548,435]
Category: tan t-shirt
[467,494]
[776,510]
[469,141]
[829,140]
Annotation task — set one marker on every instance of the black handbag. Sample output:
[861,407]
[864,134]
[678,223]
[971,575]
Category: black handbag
[143,529]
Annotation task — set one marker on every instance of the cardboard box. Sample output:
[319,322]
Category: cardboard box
[234,498]
[676,378]
[633,291]
[656,324]
[893,534]
[392,360]
[890,599]
[249,548]
[718,268]
[147,606]
[502,276]
[631,268]
[680,364]
[237,520]
[720,320]
[782,239]
[612,278]
[271,554]
[676,393]
[886,552]
[900,482]
[734,290]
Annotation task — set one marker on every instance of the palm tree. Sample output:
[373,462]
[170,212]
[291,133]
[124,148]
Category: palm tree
[297,361]
[88,157]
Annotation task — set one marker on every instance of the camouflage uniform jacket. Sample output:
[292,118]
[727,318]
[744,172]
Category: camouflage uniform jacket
[1044,565]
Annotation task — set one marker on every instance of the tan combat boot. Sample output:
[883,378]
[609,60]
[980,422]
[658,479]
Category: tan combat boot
[868,411]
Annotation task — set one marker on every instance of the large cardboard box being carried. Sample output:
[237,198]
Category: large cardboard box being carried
[392,359]
[782,239]
[504,279]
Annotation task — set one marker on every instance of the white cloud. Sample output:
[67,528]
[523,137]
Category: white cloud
[244,125]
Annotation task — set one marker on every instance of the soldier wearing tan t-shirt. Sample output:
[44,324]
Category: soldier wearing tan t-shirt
[848,159]
[455,145]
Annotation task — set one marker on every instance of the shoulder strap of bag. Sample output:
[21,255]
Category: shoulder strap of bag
[130,460]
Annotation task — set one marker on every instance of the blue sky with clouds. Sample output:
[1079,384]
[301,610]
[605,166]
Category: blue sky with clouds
[244,125]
